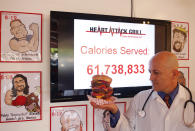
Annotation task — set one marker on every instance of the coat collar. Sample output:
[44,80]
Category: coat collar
[182,93]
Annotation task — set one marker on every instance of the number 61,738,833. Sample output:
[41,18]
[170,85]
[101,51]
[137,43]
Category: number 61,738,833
[115,69]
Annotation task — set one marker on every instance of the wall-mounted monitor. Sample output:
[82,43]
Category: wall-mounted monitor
[84,45]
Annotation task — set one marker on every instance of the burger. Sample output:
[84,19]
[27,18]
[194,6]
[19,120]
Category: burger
[101,87]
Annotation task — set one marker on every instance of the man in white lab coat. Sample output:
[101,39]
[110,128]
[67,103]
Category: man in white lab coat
[158,114]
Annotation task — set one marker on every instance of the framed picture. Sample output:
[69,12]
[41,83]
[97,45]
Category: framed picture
[180,39]
[101,118]
[20,94]
[21,37]
[184,76]
[68,118]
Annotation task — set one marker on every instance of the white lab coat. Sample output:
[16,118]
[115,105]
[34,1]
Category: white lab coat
[158,116]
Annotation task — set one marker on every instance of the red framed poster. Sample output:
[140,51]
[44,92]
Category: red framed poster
[21,37]
[101,118]
[68,118]
[183,78]
[180,39]
[21,96]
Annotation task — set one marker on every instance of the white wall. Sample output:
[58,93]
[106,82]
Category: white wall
[177,10]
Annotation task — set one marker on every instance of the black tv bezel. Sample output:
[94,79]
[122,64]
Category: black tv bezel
[162,27]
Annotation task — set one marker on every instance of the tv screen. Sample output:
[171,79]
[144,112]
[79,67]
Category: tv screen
[84,45]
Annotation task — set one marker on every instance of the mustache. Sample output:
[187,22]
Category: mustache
[175,42]
[21,86]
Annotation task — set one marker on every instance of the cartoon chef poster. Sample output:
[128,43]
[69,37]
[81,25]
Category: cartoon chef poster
[68,118]
[180,40]
[20,96]
[21,37]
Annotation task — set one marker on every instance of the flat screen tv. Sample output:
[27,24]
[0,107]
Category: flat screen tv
[84,45]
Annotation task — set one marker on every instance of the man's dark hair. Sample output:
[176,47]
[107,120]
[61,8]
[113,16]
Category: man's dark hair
[26,89]
[15,21]
[104,113]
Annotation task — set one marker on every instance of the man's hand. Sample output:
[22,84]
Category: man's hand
[34,27]
[8,97]
[111,107]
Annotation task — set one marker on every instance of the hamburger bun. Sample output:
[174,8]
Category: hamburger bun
[102,77]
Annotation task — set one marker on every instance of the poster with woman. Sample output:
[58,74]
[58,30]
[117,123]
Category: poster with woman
[20,94]
[180,40]
[21,37]
[101,118]
[68,118]
[183,78]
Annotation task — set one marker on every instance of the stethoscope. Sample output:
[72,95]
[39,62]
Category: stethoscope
[142,112]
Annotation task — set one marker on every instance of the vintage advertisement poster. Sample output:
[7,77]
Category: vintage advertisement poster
[68,118]
[183,76]
[21,37]
[102,117]
[180,40]
[20,96]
